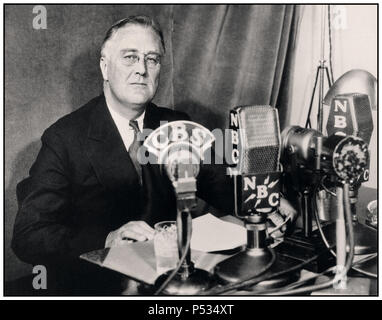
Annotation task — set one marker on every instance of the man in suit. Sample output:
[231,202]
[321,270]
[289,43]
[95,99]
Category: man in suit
[85,191]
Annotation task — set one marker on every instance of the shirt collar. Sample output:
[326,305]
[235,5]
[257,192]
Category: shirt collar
[140,120]
[118,118]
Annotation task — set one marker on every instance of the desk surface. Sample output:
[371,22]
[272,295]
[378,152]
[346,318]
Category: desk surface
[143,268]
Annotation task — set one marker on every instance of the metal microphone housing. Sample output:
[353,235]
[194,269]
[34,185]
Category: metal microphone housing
[256,145]
[346,157]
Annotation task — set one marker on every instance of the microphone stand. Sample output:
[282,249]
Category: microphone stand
[365,237]
[257,258]
[304,243]
[187,280]
[321,68]
[254,258]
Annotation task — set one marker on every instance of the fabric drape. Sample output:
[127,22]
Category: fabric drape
[223,56]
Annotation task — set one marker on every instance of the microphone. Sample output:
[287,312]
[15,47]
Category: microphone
[308,157]
[179,147]
[351,114]
[344,157]
[255,160]
[254,166]
[352,84]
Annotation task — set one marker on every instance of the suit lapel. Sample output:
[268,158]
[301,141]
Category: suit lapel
[152,117]
[115,170]
[106,151]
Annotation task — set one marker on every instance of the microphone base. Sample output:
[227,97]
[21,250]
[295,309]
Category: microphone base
[246,264]
[198,281]
[365,237]
[281,264]
[243,265]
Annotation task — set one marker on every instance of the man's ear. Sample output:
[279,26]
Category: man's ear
[103,66]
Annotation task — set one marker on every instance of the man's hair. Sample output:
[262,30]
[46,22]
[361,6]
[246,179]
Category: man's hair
[134,20]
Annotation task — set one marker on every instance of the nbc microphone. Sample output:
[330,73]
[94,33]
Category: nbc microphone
[255,138]
[350,114]
[254,161]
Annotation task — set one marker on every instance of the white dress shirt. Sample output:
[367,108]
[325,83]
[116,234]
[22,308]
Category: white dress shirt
[123,126]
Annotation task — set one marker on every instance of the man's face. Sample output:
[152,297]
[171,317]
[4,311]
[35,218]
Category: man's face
[129,65]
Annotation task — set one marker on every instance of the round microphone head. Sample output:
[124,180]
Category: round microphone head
[181,161]
[299,141]
[350,158]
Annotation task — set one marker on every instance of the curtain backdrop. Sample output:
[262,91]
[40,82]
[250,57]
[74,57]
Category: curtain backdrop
[218,57]
[228,55]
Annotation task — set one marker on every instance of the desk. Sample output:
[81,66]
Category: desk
[137,260]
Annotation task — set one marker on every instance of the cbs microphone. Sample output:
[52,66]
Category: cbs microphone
[179,148]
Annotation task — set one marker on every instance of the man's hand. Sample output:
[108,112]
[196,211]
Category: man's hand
[276,219]
[287,210]
[129,232]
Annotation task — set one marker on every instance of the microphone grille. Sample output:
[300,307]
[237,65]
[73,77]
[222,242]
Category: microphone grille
[364,116]
[350,114]
[260,140]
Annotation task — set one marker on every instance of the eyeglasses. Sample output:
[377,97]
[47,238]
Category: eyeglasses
[152,60]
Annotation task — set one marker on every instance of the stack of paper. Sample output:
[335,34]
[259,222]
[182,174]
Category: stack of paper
[211,234]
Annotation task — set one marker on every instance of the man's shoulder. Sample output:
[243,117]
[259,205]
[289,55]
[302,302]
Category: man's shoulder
[77,119]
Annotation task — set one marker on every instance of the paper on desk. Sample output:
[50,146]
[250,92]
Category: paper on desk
[136,260]
[209,234]
[213,234]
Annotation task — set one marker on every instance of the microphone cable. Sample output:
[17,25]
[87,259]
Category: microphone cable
[302,282]
[257,279]
[330,45]
[244,283]
[288,218]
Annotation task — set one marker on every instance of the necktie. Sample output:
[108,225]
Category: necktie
[133,150]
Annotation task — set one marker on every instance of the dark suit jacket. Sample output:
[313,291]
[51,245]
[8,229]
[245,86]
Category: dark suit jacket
[83,185]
